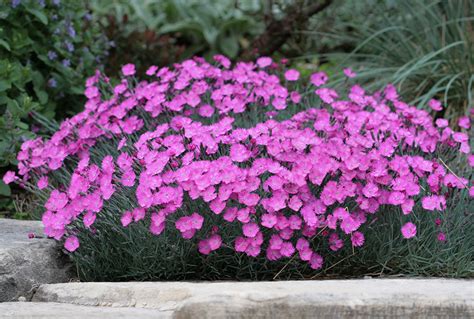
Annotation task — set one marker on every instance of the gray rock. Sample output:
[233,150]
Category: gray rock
[367,298]
[26,263]
[40,310]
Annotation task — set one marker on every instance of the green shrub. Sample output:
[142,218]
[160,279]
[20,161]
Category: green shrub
[47,49]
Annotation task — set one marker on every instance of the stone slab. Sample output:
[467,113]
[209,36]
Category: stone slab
[27,263]
[41,310]
[367,298]
[14,233]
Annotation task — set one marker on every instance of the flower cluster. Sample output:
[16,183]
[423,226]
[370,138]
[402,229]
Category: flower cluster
[286,185]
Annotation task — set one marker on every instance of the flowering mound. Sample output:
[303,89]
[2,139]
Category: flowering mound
[200,148]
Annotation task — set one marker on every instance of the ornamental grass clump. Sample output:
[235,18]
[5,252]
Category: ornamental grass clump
[228,165]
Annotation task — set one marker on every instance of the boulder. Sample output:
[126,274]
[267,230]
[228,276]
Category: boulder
[26,263]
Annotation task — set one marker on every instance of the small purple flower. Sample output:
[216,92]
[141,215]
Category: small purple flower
[52,83]
[52,55]
[70,30]
[69,46]
[66,62]
[15,3]
[88,16]
[57,2]
[54,17]
[41,3]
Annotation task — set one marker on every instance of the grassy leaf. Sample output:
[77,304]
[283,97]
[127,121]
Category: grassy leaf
[39,15]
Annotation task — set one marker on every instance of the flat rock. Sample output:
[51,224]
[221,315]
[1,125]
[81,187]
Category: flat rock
[366,298]
[41,310]
[26,263]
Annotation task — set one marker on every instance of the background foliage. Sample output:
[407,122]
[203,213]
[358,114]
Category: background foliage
[425,48]
[47,50]
[162,32]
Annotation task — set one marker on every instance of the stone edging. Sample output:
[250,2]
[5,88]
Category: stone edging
[366,298]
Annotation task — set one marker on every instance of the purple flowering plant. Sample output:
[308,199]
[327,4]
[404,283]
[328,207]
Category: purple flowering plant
[244,160]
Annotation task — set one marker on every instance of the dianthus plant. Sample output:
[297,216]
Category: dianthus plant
[237,142]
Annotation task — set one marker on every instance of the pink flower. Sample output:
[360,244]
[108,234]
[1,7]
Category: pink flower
[295,97]
[222,60]
[295,203]
[349,224]
[316,261]
[91,92]
[207,245]
[42,182]
[264,62]
[128,69]
[396,198]
[442,123]
[215,242]
[230,214]
[241,244]
[335,243]
[409,230]
[407,206]
[441,237]
[126,219]
[128,178]
[188,225]
[370,190]
[239,153]
[433,202]
[471,191]
[464,122]
[71,243]
[89,219]
[287,249]
[319,78]
[157,224]
[250,229]
[9,177]
[357,239]
[206,110]
[269,220]
[196,221]
[138,214]
[349,73]
[56,201]
[157,229]
[327,95]
[435,105]
[292,75]
[151,70]
[122,143]
[295,222]
[471,160]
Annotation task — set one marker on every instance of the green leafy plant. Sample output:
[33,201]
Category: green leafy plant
[47,49]
[163,32]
